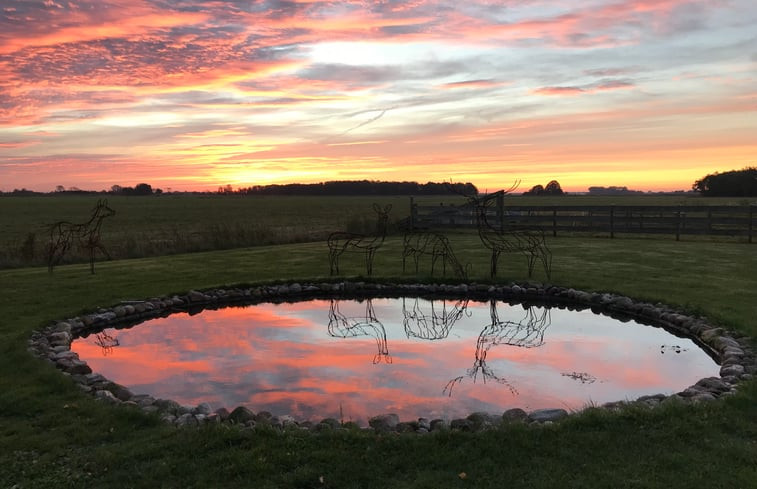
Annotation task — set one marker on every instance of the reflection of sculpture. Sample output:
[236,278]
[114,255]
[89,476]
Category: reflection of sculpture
[340,242]
[531,243]
[64,233]
[341,326]
[434,326]
[527,333]
[106,342]
[437,245]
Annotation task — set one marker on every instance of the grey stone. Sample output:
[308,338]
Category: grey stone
[106,396]
[439,425]
[514,415]
[424,423]
[542,415]
[203,408]
[735,370]
[241,415]
[186,420]
[461,424]
[713,384]
[384,422]
[481,421]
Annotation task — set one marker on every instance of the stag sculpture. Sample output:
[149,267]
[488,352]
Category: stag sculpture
[341,242]
[64,234]
[530,243]
[341,326]
[418,243]
[433,326]
[526,333]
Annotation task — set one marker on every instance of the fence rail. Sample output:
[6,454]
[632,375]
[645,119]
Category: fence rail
[720,220]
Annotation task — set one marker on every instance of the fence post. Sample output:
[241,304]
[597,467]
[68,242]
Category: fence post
[501,211]
[413,211]
[554,222]
[612,221]
[681,224]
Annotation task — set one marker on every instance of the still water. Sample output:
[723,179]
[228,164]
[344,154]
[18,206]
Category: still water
[410,356]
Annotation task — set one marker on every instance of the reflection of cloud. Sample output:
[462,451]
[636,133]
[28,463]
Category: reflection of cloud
[281,358]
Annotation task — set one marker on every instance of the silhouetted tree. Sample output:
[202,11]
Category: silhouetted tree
[553,188]
[535,190]
[143,189]
[734,183]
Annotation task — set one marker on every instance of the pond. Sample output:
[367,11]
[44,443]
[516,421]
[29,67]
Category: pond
[352,359]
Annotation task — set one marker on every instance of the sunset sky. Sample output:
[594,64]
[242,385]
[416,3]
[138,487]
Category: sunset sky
[195,94]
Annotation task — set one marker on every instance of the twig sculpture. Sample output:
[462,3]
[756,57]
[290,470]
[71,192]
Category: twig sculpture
[340,242]
[341,326]
[64,234]
[418,243]
[434,326]
[527,333]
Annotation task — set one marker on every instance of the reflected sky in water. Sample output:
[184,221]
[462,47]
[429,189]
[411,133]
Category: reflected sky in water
[411,356]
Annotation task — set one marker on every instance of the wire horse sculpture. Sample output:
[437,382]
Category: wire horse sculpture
[341,326]
[434,326]
[526,333]
[531,243]
[437,245]
[63,234]
[340,242]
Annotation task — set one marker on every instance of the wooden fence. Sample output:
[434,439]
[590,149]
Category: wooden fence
[611,220]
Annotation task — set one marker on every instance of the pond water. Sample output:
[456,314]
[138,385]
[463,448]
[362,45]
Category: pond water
[352,359]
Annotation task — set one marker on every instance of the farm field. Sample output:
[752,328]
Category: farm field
[180,223]
[52,435]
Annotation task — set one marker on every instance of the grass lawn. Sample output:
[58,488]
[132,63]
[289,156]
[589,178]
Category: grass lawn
[51,435]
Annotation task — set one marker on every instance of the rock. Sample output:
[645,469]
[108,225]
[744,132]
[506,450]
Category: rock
[735,370]
[73,366]
[542,415]
[186,420]
[167,406]
[384,422]
[241,415]
[713,384]
[106,396]
[196,296]
[203,408]
[461,425]
[482,421]
[703,397]
[514,415]
[222,413]
[424,423]
[439,425]
[120,392]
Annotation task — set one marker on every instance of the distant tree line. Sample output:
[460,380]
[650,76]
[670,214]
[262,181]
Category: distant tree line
[357,187]
[139,189]
[734,183]
[552,188]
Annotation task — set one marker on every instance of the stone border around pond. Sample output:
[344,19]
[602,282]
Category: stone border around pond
[53,343]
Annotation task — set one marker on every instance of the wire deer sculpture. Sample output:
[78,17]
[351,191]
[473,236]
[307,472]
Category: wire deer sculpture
[526,333]
[434,326]
[106,342]
[530,243]
[341,242]
[64,234]
[418,243]
[341,326]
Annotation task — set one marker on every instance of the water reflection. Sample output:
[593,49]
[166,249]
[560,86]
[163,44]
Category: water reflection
[526,333]
[341,326]
[309,358]
[433,325]
[106,342]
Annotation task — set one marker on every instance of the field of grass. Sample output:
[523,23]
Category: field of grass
[181,223]
[51,435]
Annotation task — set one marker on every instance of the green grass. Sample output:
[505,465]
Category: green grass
[51,435]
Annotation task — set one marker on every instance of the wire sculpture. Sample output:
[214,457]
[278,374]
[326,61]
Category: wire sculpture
[417,243]
[433,326]
[341,242]
[106,342]
[530,243]
[64,234]
[526,333]
[341,326]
